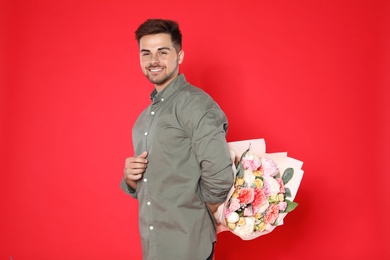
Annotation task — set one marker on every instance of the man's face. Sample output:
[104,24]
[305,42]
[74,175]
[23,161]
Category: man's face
[159,59]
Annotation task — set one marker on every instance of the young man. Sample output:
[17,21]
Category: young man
[182,171]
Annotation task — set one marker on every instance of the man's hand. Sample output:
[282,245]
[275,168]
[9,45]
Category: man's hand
[213,207]
[214,210]
[134,169]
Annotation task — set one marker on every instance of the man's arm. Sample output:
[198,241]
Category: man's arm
[207,124]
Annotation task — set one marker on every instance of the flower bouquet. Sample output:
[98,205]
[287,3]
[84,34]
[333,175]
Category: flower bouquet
[263,193]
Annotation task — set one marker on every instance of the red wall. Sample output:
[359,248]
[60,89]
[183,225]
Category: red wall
[311,77]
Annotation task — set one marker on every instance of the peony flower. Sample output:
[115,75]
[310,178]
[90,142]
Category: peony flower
[270,168]
[272,214]
[246,195]
[250,162]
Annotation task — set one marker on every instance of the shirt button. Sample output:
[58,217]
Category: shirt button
[151,227]
[145,180]
[162,99]
[148,203]
[146,133]
[152,113]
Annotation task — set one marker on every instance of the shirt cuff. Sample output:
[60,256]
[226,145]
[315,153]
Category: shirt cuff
[215,198]
[127,189]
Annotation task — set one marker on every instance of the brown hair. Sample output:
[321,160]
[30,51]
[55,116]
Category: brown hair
[155,26]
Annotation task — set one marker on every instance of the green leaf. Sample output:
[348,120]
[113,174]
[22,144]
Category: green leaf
[288,192]
[290,206]
[240,169]
[287,175]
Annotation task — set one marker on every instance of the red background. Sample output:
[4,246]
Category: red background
[311,77]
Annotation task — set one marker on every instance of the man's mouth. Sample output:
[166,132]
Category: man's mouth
[155,69]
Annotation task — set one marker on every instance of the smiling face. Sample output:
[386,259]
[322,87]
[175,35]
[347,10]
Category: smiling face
[159,59]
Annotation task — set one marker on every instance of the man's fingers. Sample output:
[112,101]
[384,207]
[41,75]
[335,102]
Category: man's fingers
[135,165]
[133,174]
[133,171]
[137,159]
[143,155]
[133,177]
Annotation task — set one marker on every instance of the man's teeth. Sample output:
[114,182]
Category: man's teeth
[155,70]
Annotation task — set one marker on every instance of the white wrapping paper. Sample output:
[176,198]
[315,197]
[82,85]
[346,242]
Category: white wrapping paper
[283,162]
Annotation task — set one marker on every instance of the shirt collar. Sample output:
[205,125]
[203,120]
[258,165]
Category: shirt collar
[168,90]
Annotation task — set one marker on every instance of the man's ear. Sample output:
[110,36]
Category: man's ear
[180,56]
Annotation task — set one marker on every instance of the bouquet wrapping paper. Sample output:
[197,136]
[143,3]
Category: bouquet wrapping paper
[254,220]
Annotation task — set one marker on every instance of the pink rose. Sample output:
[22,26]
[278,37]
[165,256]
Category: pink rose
[246,195]
[259,199]
[272,214]
[234,204]
[251,162]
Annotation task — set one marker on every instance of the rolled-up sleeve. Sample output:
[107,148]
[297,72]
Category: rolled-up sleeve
[207,124]
[127,189]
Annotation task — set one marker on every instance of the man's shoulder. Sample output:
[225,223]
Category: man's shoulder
[187,89]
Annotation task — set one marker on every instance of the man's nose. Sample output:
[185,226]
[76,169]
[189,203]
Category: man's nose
[154,58]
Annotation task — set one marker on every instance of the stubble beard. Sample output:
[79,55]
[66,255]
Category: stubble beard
[164,79]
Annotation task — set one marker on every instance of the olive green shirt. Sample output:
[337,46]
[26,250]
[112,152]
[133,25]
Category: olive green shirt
[189,165]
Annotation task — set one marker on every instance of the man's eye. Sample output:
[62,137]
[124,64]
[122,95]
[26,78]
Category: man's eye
[145,54]
[164,52]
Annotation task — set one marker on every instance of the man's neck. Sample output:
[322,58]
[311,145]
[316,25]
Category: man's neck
[160,87]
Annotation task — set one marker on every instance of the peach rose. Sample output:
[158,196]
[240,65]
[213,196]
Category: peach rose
[246,195]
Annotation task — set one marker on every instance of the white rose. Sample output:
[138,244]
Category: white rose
[263,207]
[250,156]
[247,229]
[249,177]
[233,217]
[274,187]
